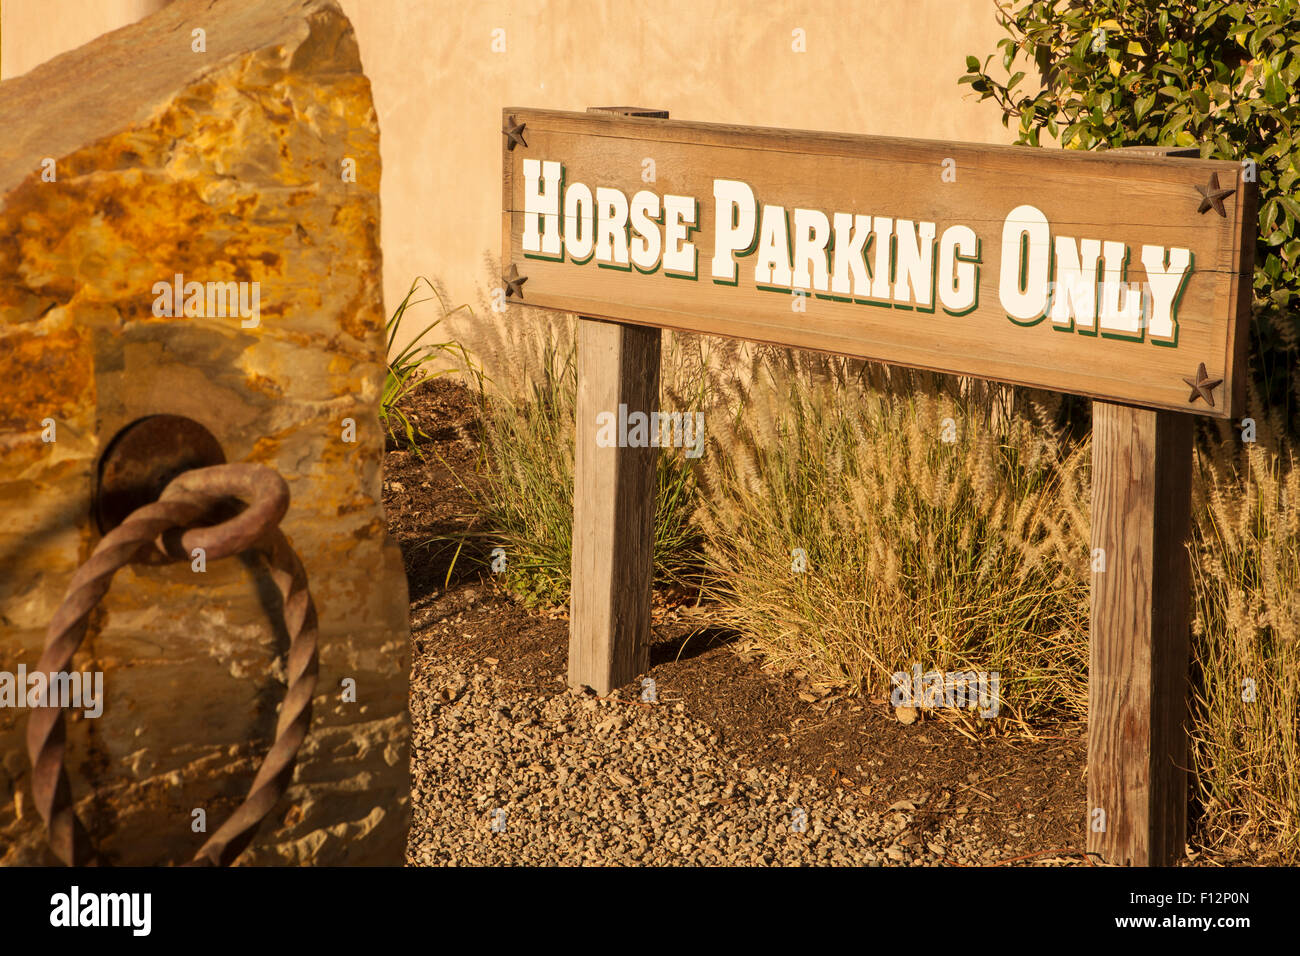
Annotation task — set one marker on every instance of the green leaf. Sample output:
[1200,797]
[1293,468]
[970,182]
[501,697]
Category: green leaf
[1274,90]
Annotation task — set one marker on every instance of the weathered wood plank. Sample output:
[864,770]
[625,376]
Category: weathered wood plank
[613,509]
[1139,643]
[1114,196]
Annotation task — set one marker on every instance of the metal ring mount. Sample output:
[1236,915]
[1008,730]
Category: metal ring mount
[160,527]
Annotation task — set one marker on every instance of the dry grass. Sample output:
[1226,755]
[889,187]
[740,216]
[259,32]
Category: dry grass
[528,393]
[1246,571]
[961,555]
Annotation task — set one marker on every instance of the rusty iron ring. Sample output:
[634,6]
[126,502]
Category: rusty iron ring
[186,499]
[269,501]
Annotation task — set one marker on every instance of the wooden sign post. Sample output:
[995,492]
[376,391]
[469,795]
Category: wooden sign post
[1138,754]
[1124,276]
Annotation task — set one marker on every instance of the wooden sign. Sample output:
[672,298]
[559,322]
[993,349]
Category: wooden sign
[1125,276]
[1108,275]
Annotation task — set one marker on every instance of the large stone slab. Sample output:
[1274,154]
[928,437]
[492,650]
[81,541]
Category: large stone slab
[123,164]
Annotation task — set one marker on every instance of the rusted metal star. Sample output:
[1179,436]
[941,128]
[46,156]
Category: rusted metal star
[515,284]
[1203,386]
[1212,196]
[516,133]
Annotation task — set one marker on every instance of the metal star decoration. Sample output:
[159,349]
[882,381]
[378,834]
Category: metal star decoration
[1212,196]
[515,285]
[1203,386]
[515,131]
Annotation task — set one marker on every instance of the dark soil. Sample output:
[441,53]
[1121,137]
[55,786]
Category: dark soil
[1030,792]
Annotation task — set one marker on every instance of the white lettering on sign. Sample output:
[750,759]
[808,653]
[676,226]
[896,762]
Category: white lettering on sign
[542,208]
[737,228]
[958,275]
[1090,291]
[1167,271]
[1080,283]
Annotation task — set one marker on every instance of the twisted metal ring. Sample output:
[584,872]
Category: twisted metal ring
[162,525]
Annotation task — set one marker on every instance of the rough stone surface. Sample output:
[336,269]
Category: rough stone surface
[222,166]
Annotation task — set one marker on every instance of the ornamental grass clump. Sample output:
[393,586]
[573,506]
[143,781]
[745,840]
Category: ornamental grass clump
[861,520]
[1246,638]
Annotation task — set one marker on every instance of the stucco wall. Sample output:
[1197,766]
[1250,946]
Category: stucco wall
[33,31]
[879,66]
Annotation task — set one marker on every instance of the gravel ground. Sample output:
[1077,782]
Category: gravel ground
[503,777]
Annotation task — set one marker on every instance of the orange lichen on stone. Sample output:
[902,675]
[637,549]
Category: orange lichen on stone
[42,376]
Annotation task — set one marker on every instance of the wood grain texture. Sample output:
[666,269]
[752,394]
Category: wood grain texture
[1138,674]
[1111,195]
[613,509]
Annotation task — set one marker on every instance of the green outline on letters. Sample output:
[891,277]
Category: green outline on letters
[934,269]
[753,246]
[1172,343]
[811,289]
[934,275]
[1142,318]
[1022,280]
[658,220]
[695,249]
[830,248]
[867,248]
[541,229]
[789,251]
[627,232]
[564,232]
[1096,289]
[976,259]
